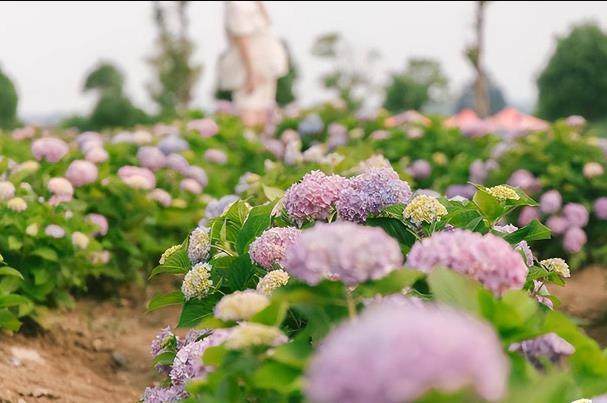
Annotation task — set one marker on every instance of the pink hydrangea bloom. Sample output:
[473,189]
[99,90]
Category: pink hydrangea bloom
[96,155]
[178,163]
[557,224]
[190,185]
[161,196]
[270,247]
[527,215]
[313,197]
[137,177]
[549,346]
[574,240]
[50,149]
[215,156]
[486,258]
[551,202]
[397,352]
[576,214]
[100,221]
[60,186]
[81,172]
[344,251]
[600,208]
[525,180]
[151,158]
[206,127]
[54,231]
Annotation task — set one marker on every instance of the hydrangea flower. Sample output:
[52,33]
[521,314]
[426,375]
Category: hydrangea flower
[600,208]
[527,215]
[424,208]
[137,177]
[81,172]
[374,161]
[50,149]
[574,240]
[206,127]
[172,394]
[168,253]
[217,207]
[271,281]
[477,172]
[240,305]
[549,346]
[100,221]
[557,224]
[487,258]
[173,144]
[576,214]
[593,169]
[161,341]
[197,282]
[271,245]
[293,155]
[191,186]
[551,202]
[463,191]
[313,197]
[161,196]
[54,231]
[96,155]
[557,265]
[342,250]
[7,190]
[80,240]
[254,334]
[397,352]
[199,245]
[188,360]
[575,120]
[503,193]
[198,174]
[177,162]
[17,204]
[311,124]
[525,180]
[32,229]
[215,156]
[151,158]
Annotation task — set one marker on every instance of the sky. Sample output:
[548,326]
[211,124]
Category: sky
[48,47]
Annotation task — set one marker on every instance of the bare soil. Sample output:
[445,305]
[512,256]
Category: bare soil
[98,352]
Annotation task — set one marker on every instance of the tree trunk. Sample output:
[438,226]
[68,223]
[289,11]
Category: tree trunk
[481,93]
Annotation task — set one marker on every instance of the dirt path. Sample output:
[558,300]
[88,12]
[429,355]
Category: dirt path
[98,352]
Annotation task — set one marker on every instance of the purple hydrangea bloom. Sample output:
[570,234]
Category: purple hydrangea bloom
[574,240]
[557,224]
[198,174]
[173,144]
[132,175]
[215,156]
[506,229]
[177,162]
[190,185]
[100,221]
[270,247]
[81,172]
[420,169]
[54,231]
[465,191]
[575,120]
[380,135]
[549,346]
[313,197]
[576,214]
[217,207]
[397,352]
[188,361]
[478,172]
[172,394]
[371,192]
[275,146]
[527,215]
[311,124]
[151,158]
[525,180]
[50,149]
[600,208]
[344,251]
[487,258]
[524,248]
[338,136]
[206,127]
[551,202]
[158,343]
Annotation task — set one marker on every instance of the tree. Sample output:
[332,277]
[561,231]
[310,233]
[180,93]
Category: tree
[8,102]
[105,77]
[175,72]
[351,74]
[497,101]
[474,54]
[574,82]
[420,82]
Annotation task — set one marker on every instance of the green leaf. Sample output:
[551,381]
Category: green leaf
[294,354]
[46,254]
[14,243]
[9,271]
[13,300]
[534,231]
[273,314]
[177,263]
[272,193]
[260,218]
[41,276]
[394,282]
[195,310]
[240,275]
[455,289]
[488,205]
[164,300]
[9,321]
[276,376]
[396,229]
[214,355]
[165,358]
[214,323]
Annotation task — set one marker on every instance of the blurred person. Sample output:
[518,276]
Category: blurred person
[254,61]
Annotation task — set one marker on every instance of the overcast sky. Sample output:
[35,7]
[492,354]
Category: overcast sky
[48,47]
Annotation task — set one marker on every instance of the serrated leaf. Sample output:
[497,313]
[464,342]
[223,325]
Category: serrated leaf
[164,300]
[258,220]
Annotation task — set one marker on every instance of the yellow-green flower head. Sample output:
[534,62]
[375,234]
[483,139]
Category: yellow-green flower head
[197,282]
[17,204]
[167,253]
[1,259]
[271,281]
[440,158]
[32,230]
[557,265]
[179,203]
[80,240]
[241,305]
[424,208]
[254,334]
[503,193]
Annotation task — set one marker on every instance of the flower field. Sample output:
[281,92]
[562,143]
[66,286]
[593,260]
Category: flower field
[332,258]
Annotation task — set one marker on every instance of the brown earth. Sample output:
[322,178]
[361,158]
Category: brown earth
[99,351]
